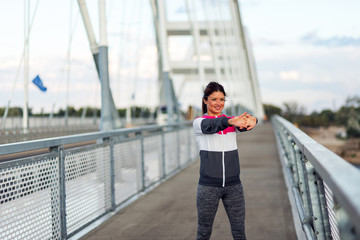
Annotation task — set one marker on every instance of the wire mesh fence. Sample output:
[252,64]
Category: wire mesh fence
[56,194]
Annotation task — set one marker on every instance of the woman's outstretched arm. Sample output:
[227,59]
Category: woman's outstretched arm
[244,122]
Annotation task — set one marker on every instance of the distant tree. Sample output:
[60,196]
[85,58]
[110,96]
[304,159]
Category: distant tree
[349,116]
[353,127]
[328,115]
[73,112]
[315,119]
[15,112]
[90,112]
[136,111]
[122,112]
[271,110]
[60,113]
[293,111]
[351,109]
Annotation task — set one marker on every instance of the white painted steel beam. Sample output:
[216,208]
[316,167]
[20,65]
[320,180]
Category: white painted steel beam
[88,26]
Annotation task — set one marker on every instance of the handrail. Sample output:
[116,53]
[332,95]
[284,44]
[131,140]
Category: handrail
[324,185]
[50,142]
[57,193]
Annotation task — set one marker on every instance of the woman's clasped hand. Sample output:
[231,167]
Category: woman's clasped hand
[244,121]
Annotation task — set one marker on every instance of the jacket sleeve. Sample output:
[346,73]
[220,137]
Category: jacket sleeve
[210,125]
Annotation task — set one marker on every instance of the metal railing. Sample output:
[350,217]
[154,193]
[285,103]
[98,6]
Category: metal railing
[43,127]
[65,184]
[323,188]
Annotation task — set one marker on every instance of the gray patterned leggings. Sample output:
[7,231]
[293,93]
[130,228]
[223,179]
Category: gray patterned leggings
[207,204]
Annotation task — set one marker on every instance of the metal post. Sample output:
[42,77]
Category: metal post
[303,182]
[189,145]
[142,163]
[59,152]
[324,206]
[163,156]
[291,156]
[112,172]
[319,229]
[178,147]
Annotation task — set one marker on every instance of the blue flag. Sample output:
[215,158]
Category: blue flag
[37,81]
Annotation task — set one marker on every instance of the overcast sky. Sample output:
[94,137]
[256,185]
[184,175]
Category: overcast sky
[305,51]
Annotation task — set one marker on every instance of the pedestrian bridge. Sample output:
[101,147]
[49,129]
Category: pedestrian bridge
[140,183]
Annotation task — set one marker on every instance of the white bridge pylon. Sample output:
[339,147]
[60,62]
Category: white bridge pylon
[220,51]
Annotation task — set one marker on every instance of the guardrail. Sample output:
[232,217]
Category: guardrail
[43,127]
[323,188]
[58,189]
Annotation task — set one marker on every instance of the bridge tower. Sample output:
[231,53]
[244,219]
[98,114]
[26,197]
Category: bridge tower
[220,51]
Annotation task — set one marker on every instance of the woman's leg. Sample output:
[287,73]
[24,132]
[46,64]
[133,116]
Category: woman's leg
[207,202]
[234,204]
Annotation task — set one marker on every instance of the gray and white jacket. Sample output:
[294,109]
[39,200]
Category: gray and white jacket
[219,158]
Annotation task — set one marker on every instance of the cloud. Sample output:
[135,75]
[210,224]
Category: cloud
[336,41]
[266,42]
[313,76]
[291,75]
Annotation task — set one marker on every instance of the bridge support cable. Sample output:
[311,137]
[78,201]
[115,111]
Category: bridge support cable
[25,57]
[193,21]
[227,58]
[138,40]
[233,53]
[68,65]
[211,33]
[240,63]
[27,31]
[26,64]
[109,116]
[323,186]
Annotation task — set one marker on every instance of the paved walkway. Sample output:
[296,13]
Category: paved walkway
[169,211]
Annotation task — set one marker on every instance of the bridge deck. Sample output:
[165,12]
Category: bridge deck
[169,211]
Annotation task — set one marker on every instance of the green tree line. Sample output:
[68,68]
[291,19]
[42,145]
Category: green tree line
[347,115]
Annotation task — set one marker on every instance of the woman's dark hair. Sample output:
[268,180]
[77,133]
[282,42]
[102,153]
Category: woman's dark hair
[210,88]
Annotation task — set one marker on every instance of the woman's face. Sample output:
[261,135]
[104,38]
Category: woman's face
[215,103]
